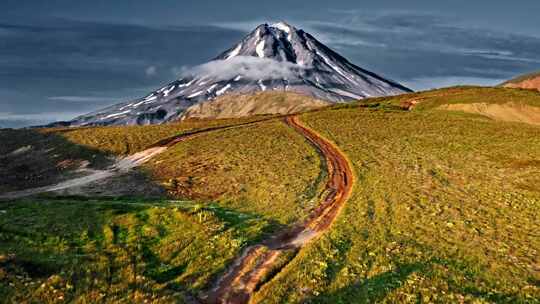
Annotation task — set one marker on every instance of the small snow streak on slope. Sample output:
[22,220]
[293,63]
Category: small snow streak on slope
[223,90]
[347,93]
[333,66]
[283,27]
[195,94]
[187,84]
[260,49]
[136,105]
[210,89]
[169,90]
[116,114]
[234,52]
[261,85]
[151,96]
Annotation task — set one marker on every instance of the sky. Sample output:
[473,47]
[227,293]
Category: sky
[63,58]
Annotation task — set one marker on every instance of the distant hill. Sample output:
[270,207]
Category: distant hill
[232,106]
[527,81]
[499,103]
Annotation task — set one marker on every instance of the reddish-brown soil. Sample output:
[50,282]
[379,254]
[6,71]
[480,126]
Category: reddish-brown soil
[258,261]
[531,83]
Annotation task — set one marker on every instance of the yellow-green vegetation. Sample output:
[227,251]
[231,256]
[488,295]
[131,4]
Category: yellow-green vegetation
[125,140]
[38,157]
[458,95]
[446,209]
[274,102]
[116,251]
[265,168]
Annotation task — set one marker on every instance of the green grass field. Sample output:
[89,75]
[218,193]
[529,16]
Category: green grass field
[125,140]
[266,169]
[445,209]
[39,157]
[116,250]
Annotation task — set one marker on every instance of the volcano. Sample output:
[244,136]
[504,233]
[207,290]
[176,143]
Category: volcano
[272,58]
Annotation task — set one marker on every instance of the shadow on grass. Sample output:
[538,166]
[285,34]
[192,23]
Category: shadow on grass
[103,244]
[29,251]
[29,158]
[243,221]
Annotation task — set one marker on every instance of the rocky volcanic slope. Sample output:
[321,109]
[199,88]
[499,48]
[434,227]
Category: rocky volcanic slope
[275,57]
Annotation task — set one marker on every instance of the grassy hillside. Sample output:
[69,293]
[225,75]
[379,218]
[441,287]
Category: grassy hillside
[266,169]
[261,176]
[38,157]
[446,210]
[125,140]
[116,251]
[458,95]
[504,104]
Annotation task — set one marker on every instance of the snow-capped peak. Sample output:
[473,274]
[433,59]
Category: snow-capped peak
[276,57]
[283,26]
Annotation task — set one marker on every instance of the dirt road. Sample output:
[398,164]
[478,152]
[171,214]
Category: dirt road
[248,271]
[258,261]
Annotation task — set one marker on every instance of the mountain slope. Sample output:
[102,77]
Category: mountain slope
[231,106]
[528,81]
[275,57]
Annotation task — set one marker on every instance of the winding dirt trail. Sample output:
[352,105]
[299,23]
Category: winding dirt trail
[258,261]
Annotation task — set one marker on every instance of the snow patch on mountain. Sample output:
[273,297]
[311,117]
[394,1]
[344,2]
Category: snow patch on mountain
[223,90]
[234,52]
[260,49]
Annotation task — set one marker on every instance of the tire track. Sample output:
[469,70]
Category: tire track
[258,261]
